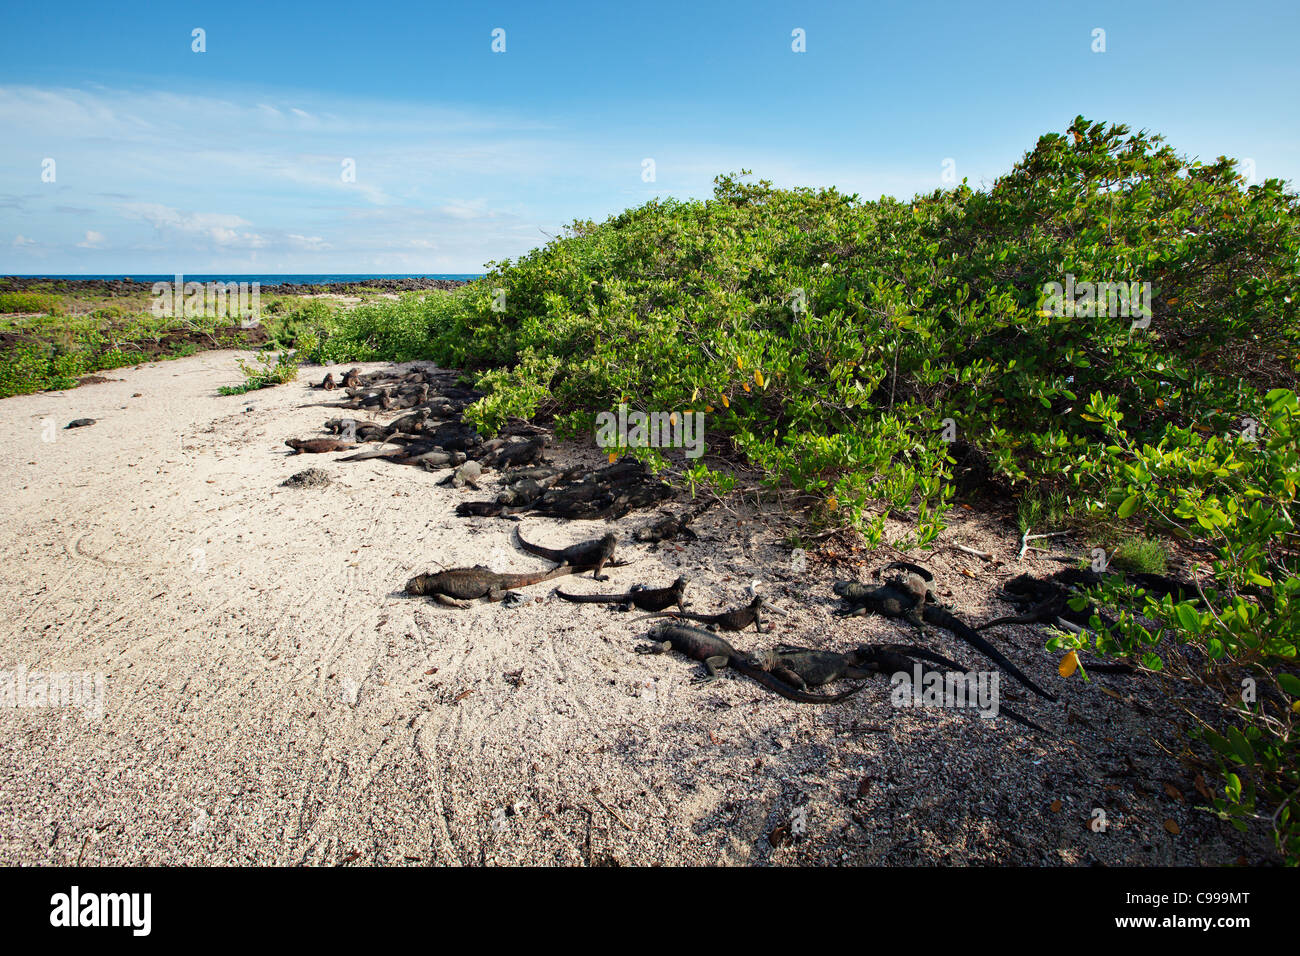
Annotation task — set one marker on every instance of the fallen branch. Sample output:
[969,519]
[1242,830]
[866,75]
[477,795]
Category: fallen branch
[982,555]
[1027,537]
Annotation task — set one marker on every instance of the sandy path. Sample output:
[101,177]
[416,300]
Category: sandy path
[271,698]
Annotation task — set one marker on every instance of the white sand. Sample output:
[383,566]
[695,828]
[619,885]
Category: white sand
[271,697]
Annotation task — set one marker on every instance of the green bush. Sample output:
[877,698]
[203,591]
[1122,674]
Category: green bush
[1237,495]
[264,374]
[11,302]
[1142,554]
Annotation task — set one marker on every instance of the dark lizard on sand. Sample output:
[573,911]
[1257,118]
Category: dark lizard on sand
[918,582]
[670,526]
[647,599]
[714,652]
[591,555]
[737,619]
[891,600]
[457,587]
[317,446]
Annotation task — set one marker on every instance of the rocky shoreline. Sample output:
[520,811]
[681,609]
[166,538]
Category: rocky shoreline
[127,286]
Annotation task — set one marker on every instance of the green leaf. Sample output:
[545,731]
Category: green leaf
[1241,746]
[1129,506]
[1188,618]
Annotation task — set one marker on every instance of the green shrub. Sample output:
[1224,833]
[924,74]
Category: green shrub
[1237,495]
[11,302]
[1142,554]
[264,374]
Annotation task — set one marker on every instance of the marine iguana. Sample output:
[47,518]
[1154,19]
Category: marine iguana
[591,555]
[363,431]
[518,453]
[714,652]
[918,582]
[647,599]
[420,453]
[737,619]
[318,446]
[860,599]
[80,423]
[457,587]
[671,526]
[890,600]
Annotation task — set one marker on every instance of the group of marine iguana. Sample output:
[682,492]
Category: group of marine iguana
[432,434]
[788,670]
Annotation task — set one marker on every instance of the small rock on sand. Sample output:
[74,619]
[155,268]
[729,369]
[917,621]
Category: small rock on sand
[311,478]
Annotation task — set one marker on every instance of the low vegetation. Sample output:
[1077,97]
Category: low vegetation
[263,373]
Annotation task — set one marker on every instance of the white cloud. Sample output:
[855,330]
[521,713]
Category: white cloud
[220,228]
[21,240]
[93,240]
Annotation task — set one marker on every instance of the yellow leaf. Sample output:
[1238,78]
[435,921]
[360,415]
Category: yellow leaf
[832,503]
[725,403]
[613,456]
[740,362]
[708,409]
[745,386]
[672,419]
[695,394]
[1069,664]
[758,377]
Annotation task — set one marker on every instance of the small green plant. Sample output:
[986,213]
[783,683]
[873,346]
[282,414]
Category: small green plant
[1029,512]
[1057,509]
[1141,554]
[264,374]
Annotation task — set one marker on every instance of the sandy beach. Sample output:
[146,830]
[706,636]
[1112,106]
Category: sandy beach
[271,697]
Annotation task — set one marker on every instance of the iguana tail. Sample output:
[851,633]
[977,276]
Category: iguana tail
[593,598]
[523,580]
[945,619]
[548,553]
[785,690]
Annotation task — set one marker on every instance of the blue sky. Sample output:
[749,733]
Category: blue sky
[231,160]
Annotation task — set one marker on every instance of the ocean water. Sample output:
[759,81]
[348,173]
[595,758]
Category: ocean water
[270,280]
